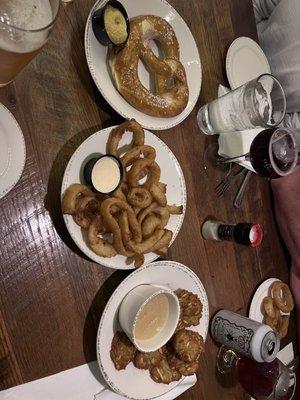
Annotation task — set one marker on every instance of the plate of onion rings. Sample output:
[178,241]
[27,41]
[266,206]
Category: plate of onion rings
[272,304]
[140,220]
[96,55]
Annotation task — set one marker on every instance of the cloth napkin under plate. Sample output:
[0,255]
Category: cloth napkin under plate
[80,383]
[234,144]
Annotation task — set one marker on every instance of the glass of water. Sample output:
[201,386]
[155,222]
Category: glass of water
[25,26]
[258,103]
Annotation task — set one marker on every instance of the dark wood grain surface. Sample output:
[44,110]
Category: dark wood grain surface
[51,296]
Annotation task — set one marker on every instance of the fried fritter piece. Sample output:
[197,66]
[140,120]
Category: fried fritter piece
[182,367]
[148,360]
[163,373]
[122,350]
[191,309]
[188,345]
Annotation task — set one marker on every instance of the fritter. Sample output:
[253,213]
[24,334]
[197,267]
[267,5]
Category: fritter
[163,373]
[188,345]
[122,350]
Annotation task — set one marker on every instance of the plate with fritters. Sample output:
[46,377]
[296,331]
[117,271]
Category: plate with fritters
[136,383]
[171,174]
[96,55]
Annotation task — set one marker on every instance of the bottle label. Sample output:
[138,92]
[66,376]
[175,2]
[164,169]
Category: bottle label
[235,336]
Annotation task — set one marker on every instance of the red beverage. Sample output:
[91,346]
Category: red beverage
[257,379]
[273,153]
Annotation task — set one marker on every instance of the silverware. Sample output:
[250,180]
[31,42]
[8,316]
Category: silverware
[226,182]
[240,194]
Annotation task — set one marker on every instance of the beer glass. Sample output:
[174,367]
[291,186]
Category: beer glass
[25,26]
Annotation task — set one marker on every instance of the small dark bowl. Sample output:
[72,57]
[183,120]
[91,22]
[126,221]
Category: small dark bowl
[88,168]
[99,26]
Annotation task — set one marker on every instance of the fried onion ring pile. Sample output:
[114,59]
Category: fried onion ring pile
[132,220]
[274,306]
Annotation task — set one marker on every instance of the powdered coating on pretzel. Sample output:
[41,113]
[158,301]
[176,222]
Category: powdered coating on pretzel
[170,99]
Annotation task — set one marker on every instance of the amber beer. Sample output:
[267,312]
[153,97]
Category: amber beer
[25,26]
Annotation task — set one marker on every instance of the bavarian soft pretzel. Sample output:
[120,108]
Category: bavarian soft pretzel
[172,92]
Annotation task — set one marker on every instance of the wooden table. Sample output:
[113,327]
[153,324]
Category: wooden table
[51,297]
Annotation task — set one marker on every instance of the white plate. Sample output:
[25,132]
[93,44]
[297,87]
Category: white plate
[189,56]
[132,382]
[245,61]
[12,151]
[171,174]
[255,311]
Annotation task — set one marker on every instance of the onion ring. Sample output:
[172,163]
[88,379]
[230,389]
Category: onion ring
[134,174]
[135,153]
[147,244]
[113,225]
[86,210]
[158,195]
[163,212]
[118,132]
[283,326]
[150,223]
[139,260]
[139,197]
[175,210]
[282,296]
[124,226]
[163,242]
[269,307]
[99,246]
[72,195]
[121,192]
[272,322]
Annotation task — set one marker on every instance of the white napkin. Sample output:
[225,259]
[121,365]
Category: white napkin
[80,383]
[234,144]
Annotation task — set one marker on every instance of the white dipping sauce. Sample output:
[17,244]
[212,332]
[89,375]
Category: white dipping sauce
[106,174]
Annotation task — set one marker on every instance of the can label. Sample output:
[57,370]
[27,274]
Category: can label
[235,336]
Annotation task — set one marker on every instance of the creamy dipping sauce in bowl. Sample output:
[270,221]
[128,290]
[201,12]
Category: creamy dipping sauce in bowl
[104,174]
[110,24]
[149,316]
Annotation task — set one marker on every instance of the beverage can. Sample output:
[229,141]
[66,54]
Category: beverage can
[245,336]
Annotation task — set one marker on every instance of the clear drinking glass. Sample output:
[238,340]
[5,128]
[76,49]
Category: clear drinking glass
[262,381]
[25,26]
[260,102]
[273,152]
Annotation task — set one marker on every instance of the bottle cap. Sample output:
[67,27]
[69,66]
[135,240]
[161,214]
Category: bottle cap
[248,234]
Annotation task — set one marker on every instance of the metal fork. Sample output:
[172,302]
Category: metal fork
[226,182]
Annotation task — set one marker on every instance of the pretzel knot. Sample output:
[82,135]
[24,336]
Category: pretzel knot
[171,90]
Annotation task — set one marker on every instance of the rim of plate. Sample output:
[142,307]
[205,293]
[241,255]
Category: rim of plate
[182,116]
[19,135]
[67,218]
[230,54]
[205,316]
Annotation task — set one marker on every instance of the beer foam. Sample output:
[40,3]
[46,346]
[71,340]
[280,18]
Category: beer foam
[24,14]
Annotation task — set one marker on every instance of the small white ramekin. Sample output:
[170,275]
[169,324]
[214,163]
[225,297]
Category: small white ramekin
[133,304]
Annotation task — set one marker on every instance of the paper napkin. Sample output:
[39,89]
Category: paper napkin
[81,383]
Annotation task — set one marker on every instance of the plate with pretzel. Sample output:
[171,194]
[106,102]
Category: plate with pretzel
[155,77]
[136,223]
[272,304]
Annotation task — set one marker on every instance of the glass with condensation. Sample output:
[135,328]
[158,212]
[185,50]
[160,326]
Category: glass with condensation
[25,26]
